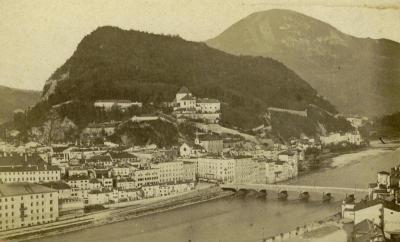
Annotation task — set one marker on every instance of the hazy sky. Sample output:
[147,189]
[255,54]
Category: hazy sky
[37,36]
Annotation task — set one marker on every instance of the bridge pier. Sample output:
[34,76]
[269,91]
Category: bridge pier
[327,197]
[304,196]
[283,195]
[262,193]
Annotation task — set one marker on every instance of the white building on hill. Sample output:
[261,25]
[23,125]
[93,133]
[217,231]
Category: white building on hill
[188,106]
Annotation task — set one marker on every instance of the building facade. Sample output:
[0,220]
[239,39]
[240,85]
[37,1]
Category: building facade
[26,204]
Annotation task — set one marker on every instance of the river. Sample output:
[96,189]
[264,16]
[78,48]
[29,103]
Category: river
[241,219]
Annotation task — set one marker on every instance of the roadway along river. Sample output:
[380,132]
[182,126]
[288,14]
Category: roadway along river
[240,219]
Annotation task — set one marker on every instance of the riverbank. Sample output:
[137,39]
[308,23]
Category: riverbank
[333,160]
[114,215]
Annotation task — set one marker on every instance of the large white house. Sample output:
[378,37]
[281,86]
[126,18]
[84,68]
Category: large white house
[188,106]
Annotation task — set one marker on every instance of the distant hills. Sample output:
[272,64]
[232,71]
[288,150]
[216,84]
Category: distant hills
[112,63]
[12,99]
[358,76]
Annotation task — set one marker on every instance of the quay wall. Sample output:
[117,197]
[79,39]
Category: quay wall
[331,220]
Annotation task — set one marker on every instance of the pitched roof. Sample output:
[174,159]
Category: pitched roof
[287,152]
[58,149]
[364,227]
[77,177]
[184,90]
[386,204]
[208,100]
[24,163]
[58,185]
[208,137]
[122,155]
[22,188]
[193,145]
[99,158]
[114,101]
[10,160]
[188,98]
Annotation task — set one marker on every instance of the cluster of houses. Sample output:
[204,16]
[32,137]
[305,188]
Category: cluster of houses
[338,138]
[377,217]
[187,106]
[220,163]
[77,177]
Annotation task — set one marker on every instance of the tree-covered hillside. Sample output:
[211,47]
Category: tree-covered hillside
[115,63]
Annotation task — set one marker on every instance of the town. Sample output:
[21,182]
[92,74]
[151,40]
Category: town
[376,217]
[42,184]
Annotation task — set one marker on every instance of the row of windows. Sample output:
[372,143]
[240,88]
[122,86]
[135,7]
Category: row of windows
[11,199]
[32,212]
[32,204]
[28,172]
[29,179]
[12,225]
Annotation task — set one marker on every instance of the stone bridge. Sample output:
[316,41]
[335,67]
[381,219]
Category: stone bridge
[277,188]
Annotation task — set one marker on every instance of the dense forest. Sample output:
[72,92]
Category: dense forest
[114,63]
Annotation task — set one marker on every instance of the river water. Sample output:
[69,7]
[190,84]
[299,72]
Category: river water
[241,219]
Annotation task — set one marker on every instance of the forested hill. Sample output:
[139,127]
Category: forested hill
[115,63]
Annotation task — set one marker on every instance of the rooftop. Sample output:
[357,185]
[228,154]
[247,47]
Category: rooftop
[77,177]
[184,90]
[99,158]
[188,98]
[60,185]
[13,159]
[58,149]
[121,155]
[209,137]
[208,100]
[113,101]
[387,204]
[287,152]
[15,189]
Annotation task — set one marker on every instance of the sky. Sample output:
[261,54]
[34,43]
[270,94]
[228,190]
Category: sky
[38,36]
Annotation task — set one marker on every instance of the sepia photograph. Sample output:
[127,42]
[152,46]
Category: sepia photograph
[199,120]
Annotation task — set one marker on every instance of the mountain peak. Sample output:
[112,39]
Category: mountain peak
[338,66]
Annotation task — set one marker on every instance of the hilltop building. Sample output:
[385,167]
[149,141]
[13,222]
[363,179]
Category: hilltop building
[187,106]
